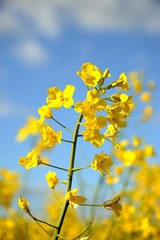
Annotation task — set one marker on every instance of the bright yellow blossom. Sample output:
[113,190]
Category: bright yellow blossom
[45,112]
[96,123]
[32,160]
[92,134]
[90,74]
[52,179]
[50,137]
[122,82]
[73,199]
[102,163]
[92,104]
[56,98]
[23,204]
[111,132]
[119,110]
[113,205]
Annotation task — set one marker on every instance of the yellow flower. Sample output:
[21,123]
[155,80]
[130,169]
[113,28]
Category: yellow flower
[50,137]
[145,97]
[23,204]
[73,199]
[92,134]
[31,128]
[52,179]
[115,116]
[45,112]
[111,132]
[102,163]
[113,205]
[123,104]
[90,74]
[122,82]
[32,160]
[56,98]
[119,110]
[91,104]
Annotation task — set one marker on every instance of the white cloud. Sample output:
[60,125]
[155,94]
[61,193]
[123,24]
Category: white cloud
[29,17]
[117,14]
[48,17]
[30,52]
[10,109]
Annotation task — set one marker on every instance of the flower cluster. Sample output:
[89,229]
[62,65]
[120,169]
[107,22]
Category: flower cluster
[101,115]
[96,102]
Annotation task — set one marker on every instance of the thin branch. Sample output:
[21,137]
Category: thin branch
[84,231]
[57,198]
[63,140]
[62,125]
[90,205]
[41,221]
[37,222]
[49,165]
[80,168]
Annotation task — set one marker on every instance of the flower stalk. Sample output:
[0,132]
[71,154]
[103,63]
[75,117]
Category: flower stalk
[70,175]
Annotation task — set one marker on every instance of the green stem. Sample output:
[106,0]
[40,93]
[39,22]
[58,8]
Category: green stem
[49,165]
[68,141]
[37,222]
[41,221]
[62,125]
[43,228]
[80,168]
[90,205]
[70,175]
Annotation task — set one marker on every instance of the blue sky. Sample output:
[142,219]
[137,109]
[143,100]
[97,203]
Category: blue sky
[43,44]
